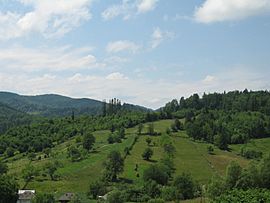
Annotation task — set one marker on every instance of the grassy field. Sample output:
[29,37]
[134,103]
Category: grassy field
[191,157]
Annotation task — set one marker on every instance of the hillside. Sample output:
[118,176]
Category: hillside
[190,157]
[205,149]
[10,117]
[52,105]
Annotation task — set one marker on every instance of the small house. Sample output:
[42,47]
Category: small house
[66,197]
[26,196]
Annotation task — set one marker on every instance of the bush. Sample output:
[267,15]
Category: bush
[115,197]
[185,185]
[151,188]
[156,173]
[3,168]
[8,189]
[97,188]
[210,149]
[250,153]
[216,187]
[249,196]
[168,193]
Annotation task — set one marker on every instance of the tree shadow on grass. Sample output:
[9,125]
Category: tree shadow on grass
[125,180]
[152,161]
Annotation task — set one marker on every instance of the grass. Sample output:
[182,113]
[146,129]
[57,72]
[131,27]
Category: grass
[190,157]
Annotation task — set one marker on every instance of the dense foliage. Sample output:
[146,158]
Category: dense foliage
[48,132]
[10,117]
[223,128]
[237,179]
[248,196]
[236,101]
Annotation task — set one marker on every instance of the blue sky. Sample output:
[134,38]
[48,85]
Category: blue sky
[145,52]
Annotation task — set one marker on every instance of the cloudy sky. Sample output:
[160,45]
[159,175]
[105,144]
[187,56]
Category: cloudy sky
[145,52]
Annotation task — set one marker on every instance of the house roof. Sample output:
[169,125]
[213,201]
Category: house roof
[66,197]
[26,195]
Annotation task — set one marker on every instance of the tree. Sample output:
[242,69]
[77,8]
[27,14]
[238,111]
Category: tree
[151,130]
[151,188]
[169,165]
[221,141]
[178,124]
[97,188]
[147,154]
[210,149]
[265,172]
[88,141]
[3,168]
[216,187]
[51,168]
[156,173]
[74,153]
[250,177]
[29,173]
[114,165]
[121,132]
[110,139]
[140,128]
[8,189]
[10,152]
[169,149]
[173,127]
[185,185]
[233,174]
[115,197]
[148,140]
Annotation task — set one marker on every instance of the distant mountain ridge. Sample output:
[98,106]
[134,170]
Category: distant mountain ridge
[52,105]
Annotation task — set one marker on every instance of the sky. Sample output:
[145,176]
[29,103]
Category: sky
[145,52]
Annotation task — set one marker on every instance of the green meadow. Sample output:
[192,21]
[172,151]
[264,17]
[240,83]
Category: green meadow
[191,157]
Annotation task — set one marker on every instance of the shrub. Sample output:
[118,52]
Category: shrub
[210,149]
[97,188]
[115,197]
[156,173]
[168,193]
[250,153]
[151,188]
[249,196]
[185,185]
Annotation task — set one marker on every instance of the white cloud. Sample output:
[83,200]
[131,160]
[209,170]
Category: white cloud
[158,36]
[146,5]
[229,10]
[122,45]
[151,93]
[49,59]
[50,18]
[129,8]
[116,76]
[209,79]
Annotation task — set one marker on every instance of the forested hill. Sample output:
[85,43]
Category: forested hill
[223,119]
[53,105]
[238,101]
[10,117]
